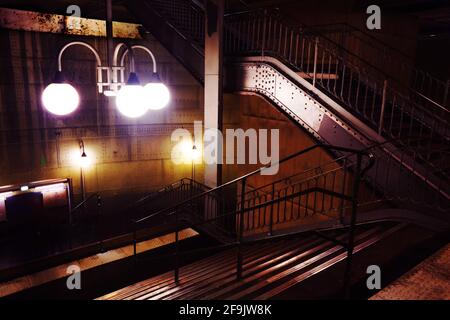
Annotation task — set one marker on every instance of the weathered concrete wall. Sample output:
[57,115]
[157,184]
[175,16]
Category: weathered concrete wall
[255,112]
[129,156]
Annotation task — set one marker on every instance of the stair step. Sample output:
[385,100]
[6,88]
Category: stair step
[242,294]
[281,287]
[192,274]
[167,278]
[220,272]
[268,269]
[213,290]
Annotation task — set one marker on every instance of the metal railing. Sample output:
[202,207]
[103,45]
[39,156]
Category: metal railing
[358,87]
[229,209]
[82,206]
[391,109]
[164,197]
[352,45]
[391,61]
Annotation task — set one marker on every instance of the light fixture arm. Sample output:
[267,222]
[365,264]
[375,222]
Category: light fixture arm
[80,43]
[132,64]
[147,50]
[81,144]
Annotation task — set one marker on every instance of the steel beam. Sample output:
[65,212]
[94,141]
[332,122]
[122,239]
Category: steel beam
[54,23]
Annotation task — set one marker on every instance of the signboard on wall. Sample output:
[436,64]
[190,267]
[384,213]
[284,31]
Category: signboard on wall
[55,194]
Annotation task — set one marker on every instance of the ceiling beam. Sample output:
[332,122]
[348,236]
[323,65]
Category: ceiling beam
[54,23]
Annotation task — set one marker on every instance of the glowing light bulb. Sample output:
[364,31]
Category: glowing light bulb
[85,162]
[157,95]
[130,99]
[60,98]
[195,153]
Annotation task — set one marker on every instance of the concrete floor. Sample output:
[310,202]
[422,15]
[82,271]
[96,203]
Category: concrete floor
[430,280]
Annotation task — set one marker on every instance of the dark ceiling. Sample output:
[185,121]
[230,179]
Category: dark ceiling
[434,15]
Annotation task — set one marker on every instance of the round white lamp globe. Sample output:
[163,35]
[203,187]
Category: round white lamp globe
[60,98]
[130,101]
[157,95]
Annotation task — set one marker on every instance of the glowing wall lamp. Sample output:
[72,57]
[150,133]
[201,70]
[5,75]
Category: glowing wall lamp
[61,98]
[132,99]
[154,95]
[194,155]
[85,162]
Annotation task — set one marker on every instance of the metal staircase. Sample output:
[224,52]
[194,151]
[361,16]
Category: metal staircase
[338,100]
[274,236]
[391,163]
[269,268]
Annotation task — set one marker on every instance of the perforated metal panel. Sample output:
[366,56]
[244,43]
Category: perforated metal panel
[295,102]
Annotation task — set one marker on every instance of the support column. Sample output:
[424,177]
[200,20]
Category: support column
[213,108]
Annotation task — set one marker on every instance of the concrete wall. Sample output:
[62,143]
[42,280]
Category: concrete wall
[257,113]
[129,157]
[252,111]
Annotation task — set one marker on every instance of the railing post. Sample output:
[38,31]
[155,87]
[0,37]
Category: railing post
[383,106]
[98,224]
[135,246]
[351,233]
[271,211]
[241,231]
[316,47]
[177,265]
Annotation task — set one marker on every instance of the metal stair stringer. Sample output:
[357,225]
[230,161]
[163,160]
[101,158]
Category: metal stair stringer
[180,46]
[331,123]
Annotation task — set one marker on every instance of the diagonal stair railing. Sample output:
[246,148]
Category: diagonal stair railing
[352,44]
[388,108]
[393,111]
[229,209]
[390,111]
[399,65]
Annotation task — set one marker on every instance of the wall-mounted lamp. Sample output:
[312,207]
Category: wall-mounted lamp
[132,99]
[84,163]
[194,156]
[59,97]
[84,160]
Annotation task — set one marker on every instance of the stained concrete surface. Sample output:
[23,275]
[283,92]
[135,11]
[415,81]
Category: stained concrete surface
[430,280]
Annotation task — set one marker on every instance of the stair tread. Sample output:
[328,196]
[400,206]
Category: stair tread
[208,276]
[267,268]
[167,278]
